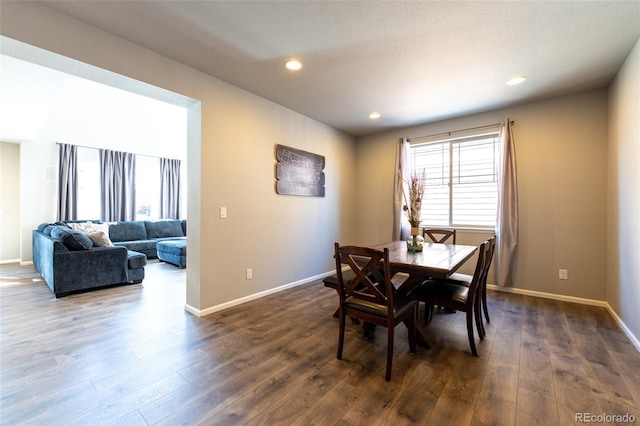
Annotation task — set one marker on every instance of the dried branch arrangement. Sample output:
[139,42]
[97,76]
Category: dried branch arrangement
[413,199]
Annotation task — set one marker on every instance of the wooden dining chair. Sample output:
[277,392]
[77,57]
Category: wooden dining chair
[373,302]
[457,297]
[465,280]
[438,235]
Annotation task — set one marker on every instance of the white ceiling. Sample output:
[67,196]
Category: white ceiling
[41,104]
[413,62]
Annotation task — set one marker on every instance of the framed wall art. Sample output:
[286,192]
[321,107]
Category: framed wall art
[299,172]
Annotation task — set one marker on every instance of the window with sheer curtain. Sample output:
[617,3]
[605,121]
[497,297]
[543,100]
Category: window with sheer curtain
[461,187]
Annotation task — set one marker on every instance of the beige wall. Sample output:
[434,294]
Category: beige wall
[9,202]
[561,158]
[38,189]
[231,161]
[623,224]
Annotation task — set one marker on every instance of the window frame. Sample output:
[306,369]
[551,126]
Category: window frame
[450,142]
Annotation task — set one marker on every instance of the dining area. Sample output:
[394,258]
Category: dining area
[401,282]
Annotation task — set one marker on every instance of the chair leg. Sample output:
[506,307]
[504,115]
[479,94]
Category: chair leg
[387,376]
[478,317]
[368,329]
[472,342]
[428,313]
[341,335]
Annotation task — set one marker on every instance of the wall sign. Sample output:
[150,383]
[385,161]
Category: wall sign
[299,172]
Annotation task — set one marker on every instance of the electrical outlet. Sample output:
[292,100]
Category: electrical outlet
[563,274]
[249,274]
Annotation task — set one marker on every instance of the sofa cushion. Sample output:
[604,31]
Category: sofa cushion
[178,247]
[173,251]
[136,260]
[127,231]
[164,229]
[73,240]
[139,245]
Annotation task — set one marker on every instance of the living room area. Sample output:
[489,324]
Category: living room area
[51,109]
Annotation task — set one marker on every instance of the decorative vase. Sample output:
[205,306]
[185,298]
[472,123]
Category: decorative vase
[415,240]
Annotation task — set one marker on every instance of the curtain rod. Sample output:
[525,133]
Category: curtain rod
[460,131]
[93,147]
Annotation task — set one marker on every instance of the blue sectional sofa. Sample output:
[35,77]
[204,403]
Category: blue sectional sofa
[143,236]
[72,261]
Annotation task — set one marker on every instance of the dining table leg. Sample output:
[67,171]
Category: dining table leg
[404,284]
[422,337]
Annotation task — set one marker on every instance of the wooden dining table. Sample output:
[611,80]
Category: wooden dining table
[435,260]
[412,268]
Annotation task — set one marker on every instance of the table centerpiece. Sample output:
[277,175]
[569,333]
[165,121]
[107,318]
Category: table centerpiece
[413,207]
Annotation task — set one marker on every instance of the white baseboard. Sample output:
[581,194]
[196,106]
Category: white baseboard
[563,298]
[624,328]
[22,263]
[552,296]
[226,305]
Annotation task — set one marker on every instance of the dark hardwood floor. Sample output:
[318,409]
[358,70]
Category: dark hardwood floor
[132,356]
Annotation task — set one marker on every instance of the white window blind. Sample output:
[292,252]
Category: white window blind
[461,181]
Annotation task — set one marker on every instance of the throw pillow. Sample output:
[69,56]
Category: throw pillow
[75,240]
[47,230]
[101,227]
[58,232]
[100,239]
[86,227]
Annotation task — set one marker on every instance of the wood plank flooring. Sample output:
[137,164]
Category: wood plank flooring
[133,356]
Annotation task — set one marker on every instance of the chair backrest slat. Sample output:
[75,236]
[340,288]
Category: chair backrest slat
[438,235]
[489,256]
[479,273]
[365,263]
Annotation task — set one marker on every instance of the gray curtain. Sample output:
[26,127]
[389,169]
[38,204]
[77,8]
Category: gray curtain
[169,188]
[507,217]
[117,185]
[401,226]
[67,182]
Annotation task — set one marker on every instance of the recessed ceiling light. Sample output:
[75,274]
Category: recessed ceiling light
[374,115]
[516,80]
[293,65]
